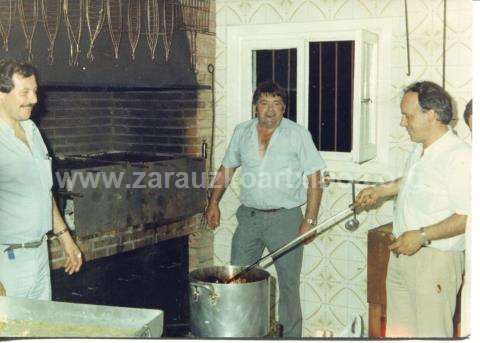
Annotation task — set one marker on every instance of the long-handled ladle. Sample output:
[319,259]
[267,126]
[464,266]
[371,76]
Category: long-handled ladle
[300,238]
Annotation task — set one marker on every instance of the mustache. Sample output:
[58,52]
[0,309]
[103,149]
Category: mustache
[30,105]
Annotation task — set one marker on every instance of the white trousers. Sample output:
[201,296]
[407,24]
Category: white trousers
[27,275]
[421,293]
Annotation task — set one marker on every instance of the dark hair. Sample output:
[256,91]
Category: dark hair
[468,111]
[433,97]
[271,88]
[10,67]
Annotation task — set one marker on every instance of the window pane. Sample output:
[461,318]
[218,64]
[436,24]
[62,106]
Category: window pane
[281,67]
[331,95]
[327,96]
[344,96]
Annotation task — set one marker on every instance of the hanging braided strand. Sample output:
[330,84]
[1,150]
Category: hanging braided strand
[7,27]
[74,35]
[168,26]
[134,24]
[95,17]
[51,28]
[26,21]
[115,36]
[153,26]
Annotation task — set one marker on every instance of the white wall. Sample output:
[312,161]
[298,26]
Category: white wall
[333,286]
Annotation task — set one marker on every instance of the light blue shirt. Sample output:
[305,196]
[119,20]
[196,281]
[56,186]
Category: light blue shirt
[25,185]
[276,180]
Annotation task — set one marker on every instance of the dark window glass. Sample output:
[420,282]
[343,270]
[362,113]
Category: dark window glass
[331,95]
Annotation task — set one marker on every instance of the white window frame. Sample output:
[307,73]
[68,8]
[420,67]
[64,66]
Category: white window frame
[242,40]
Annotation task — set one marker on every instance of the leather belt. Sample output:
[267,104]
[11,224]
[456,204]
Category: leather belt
[28,245]
[271,210]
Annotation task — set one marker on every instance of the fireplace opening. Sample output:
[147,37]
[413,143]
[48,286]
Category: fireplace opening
[154,277]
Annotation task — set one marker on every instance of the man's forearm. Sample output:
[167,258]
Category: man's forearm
[449,227]
[314,195]
[222,180]
[58,222]
[390,189]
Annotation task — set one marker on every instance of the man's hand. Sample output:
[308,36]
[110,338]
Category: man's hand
[73,256]
[368,197]
[212,214]
[304,227]
[408,243]
[2,290]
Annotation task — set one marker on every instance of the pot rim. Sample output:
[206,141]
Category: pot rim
[191,278]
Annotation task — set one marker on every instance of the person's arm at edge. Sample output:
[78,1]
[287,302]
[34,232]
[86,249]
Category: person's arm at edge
[73,256]
[220,184]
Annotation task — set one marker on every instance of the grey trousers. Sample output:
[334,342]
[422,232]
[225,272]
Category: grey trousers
[257,230]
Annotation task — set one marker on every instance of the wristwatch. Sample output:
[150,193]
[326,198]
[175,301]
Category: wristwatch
[425,239]
[312,222]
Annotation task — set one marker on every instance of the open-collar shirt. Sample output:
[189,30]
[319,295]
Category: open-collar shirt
[435,186]
[275,180]
[25,185]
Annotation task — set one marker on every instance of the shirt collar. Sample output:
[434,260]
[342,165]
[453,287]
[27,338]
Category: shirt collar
[27,125]
[282,124]
[439,145]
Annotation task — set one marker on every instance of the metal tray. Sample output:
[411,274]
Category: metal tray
[41,318]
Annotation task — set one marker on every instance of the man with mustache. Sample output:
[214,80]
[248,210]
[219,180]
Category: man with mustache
[433,202]
[27,208]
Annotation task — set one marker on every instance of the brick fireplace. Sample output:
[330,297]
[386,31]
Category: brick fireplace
[167,122]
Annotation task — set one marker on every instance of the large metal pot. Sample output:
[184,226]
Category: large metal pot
[229,310]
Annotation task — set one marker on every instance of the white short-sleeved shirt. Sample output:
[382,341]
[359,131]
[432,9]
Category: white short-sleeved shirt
[25,186]
[434,187]
[276,180]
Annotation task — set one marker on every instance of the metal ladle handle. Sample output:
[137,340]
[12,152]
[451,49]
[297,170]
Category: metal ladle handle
[293,242]
[353,223]
[353,201]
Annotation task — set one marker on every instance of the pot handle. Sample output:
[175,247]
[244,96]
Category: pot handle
[209,288]
[202,285]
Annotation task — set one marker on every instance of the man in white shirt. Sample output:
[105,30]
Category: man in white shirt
[27,208]
[433,202]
